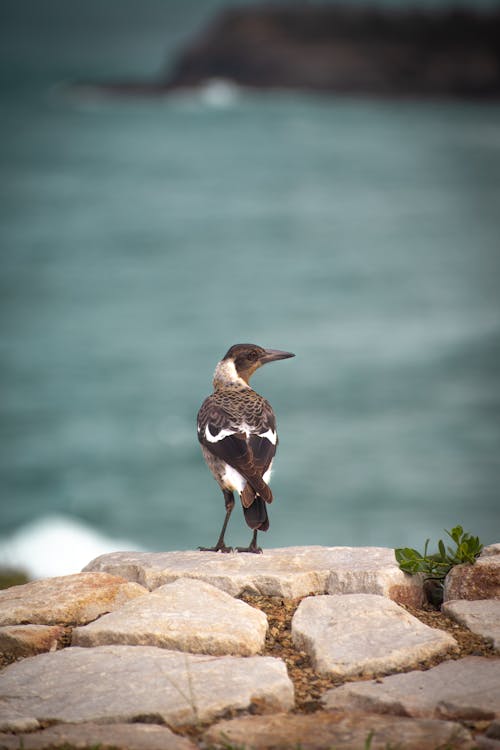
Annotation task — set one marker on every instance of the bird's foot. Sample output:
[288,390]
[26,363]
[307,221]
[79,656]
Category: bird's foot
[217,548]
[252,548]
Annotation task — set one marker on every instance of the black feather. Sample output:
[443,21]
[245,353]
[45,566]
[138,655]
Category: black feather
[256,515]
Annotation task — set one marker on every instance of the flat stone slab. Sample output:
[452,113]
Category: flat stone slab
[113,684]
[481,617]
[19,641]
[187,615]
[363,634]
[466,689]
[478,581]
[337,730]
[74,599]
[289,572]
[101,736]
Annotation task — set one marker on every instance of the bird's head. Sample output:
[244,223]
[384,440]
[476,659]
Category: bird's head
[241,361]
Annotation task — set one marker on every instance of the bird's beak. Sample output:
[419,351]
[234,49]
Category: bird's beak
[272,355]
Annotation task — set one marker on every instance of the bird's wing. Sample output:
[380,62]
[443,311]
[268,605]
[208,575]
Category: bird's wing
[222,435]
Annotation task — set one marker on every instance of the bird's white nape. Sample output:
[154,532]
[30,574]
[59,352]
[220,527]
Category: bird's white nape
[226,374]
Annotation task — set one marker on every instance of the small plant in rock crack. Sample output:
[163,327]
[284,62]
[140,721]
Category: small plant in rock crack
[437,565]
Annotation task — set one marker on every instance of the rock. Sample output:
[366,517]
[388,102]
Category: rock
[491,739]
[481,617]
[18,641]
[336,730]
[493,730]
[113,684]
[346,49]
[490,550]
[112,736]
[362,634]
[187,615]
[289,572]
[478,581]
[486,743]
[467,689]
[374,571]
[74,599]
[15,721]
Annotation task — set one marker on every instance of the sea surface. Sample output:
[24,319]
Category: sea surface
[140,238]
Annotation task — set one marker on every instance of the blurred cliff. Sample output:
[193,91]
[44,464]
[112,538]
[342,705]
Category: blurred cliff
[340,49]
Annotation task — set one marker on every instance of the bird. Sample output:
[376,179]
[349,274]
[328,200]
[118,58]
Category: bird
[237,432]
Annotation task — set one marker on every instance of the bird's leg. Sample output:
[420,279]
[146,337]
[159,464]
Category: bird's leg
[221,545]
[252,547]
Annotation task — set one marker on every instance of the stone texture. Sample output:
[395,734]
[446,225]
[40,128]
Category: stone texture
[466,689]
[112,684]
[368,576]
[12,720]
[19,641]
[74,599]
[490,550]
[481,617]
[187,615]
[288,572]
[493,730]
[486,743]
[478,581]
[361,634]
[337,730]
[102,736]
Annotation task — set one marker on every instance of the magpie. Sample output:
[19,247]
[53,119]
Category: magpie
[237,433]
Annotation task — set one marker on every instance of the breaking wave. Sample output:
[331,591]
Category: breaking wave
[56,545]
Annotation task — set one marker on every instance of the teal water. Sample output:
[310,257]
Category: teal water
[141,238]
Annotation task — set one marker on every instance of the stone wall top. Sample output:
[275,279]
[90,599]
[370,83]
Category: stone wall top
[288,572]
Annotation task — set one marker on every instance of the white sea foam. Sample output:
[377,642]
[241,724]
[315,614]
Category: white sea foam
[56,545]
[219,93]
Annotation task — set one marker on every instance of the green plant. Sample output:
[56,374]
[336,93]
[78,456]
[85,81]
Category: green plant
[437,565]
[10,577]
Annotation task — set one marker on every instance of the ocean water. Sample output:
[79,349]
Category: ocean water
[141,238]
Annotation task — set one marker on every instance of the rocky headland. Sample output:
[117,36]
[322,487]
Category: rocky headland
[316,647]
[340,49]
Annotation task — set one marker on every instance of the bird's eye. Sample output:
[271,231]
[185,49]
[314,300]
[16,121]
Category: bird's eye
[252,355]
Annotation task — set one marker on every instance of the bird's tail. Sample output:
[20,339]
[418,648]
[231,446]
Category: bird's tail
[256,486]
[256,514]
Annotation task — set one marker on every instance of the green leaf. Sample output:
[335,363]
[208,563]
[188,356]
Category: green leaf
[456,533]
[437,565]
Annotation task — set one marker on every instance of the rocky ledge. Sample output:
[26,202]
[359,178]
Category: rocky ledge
[347,49]
[317,647]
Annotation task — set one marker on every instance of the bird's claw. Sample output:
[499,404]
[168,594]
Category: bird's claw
[255,550]
[217,548]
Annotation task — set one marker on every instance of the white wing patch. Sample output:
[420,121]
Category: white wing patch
[267,476]
[245,428]
[270,435]
[220,435]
